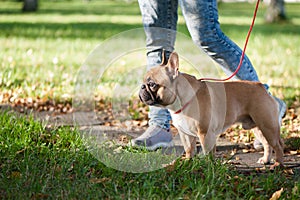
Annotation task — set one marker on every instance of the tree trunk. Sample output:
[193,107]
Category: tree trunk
[276,11]
[30,5]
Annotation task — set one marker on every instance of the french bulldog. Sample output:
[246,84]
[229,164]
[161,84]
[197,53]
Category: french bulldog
[204,109]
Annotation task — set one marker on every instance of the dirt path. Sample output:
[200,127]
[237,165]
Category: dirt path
[242,157]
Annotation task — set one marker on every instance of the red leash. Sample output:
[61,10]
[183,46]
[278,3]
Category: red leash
[183,107]
[243,53]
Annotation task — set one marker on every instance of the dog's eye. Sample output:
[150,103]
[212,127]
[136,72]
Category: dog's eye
[152,85]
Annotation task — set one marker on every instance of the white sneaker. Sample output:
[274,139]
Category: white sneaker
[153,138]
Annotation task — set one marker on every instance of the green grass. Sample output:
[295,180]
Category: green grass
[40,163]
[42,52]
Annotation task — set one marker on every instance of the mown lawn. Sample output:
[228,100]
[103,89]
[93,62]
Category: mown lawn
[41,54]
[39,163]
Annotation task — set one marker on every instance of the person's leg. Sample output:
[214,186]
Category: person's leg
[201,17]
[160,21]
[202,21]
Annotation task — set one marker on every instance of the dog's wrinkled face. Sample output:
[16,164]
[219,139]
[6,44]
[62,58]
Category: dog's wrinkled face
[158,87]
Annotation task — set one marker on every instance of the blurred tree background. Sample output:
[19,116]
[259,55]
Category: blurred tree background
[30,5]
[274,13]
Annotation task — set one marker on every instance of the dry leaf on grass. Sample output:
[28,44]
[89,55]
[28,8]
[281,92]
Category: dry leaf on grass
[99,180]
[288,171]
[276,195]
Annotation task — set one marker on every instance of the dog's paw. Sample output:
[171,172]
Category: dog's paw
[263,160]
[277,165]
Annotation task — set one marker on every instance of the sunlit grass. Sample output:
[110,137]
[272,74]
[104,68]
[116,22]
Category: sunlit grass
[42,52]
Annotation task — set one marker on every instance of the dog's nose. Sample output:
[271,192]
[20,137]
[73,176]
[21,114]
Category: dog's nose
[143,86]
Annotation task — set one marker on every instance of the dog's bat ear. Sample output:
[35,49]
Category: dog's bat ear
[164,60]
[173,64]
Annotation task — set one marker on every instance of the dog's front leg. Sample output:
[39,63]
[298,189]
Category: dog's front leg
[208,143]
[189,144]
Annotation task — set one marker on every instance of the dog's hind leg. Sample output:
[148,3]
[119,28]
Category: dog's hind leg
[267,148]
[271,138]
[266,119]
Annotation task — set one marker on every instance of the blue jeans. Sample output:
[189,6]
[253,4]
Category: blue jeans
[201,17]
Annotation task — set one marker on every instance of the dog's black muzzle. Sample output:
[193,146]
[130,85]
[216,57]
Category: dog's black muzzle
[147,96]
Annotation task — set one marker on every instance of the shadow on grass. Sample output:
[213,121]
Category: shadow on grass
[105,30]
[63,30]
[54,29]
[265,29]
[103,7]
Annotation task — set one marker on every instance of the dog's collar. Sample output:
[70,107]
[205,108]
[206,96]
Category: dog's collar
[186,104]
[183,107]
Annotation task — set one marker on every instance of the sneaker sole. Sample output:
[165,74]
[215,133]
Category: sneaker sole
[160,145]
[154,147]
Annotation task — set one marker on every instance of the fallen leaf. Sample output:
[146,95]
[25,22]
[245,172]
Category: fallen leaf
[16,174]
[289,171]
[246,150]
[276,195]
[118,150]
[99,180]
[233,152]
[293,152]
[170,166]
[144,123]
[40,196]
[71,168]
[21,151]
